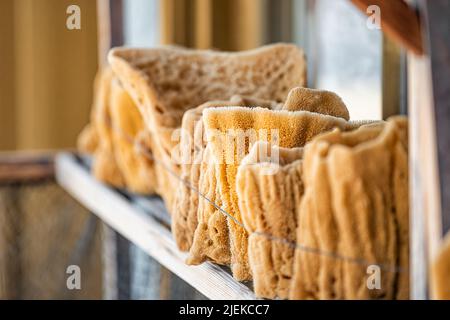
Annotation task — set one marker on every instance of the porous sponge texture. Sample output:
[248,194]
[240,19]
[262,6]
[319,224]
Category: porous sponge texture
[314,100]
[112,135]
[224,126]
[167,81]
[269,194]
[211,236]
[354,212]
[211,239]
[192,145]
[128,129]
[440,271]
[87,141]
[104,166]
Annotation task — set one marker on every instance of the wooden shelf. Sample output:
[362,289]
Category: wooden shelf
[144,221]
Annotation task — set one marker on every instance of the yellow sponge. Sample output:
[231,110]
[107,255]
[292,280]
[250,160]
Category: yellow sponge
[354,213]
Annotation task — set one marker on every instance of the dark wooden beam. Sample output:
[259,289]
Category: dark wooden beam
[26,167]
[398,20]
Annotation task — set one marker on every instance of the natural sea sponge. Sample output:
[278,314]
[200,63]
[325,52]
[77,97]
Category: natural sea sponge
[353,214]
[269,187]
[231,132]
[127,130]
[314,100]
[191,147]
[440,271]
[87,141]
[112,135]
[97,137]
[211,237]
[165,82]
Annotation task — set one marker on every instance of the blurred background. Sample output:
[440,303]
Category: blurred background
[47,70]
[46,80]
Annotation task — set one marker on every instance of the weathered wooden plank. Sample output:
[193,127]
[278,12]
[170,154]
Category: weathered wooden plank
[155,205]
[145,231]
[424,190]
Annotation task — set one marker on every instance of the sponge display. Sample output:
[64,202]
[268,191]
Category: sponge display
[354,212]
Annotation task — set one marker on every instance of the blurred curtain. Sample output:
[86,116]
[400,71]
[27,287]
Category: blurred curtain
[46,72]
[7,136]
[225,24]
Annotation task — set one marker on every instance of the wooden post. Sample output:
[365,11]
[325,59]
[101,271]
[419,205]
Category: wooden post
[435,16]
[429,90]
[424,190]
[429,134]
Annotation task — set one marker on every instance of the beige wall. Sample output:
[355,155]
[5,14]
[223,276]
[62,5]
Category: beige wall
[47,73]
